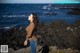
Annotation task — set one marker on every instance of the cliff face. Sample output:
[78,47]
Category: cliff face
[58,34]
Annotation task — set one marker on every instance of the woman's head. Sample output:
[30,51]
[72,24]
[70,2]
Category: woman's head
[33,18]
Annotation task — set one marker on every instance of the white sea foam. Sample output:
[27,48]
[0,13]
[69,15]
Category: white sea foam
[13,15]
[44,7]
[8,27]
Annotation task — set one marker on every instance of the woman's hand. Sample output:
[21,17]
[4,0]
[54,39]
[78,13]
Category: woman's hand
[25,42]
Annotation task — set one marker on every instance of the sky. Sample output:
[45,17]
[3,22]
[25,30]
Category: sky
[39,1]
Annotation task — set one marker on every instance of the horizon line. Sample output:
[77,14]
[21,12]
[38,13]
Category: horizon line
[41,3]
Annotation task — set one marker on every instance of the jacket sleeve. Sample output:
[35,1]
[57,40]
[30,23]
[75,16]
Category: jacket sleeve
[30,32]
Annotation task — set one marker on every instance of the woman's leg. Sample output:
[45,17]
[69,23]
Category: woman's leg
[33,45]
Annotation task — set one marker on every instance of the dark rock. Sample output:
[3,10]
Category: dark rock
[56,34]
[75,11]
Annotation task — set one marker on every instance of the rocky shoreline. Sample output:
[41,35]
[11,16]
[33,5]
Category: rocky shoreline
[58,34]
[52,49]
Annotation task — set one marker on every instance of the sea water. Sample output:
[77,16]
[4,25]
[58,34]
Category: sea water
[17,14]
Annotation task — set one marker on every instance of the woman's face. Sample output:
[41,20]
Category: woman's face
[30,17]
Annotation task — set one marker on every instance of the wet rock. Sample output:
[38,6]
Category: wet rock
[57,33]
[75,11]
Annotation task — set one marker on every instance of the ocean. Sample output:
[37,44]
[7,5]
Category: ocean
[16,14]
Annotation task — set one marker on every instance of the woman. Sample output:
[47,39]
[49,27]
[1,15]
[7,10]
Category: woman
[31,32]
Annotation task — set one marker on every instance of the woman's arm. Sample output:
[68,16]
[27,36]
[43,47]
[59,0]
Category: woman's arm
[29,33]
[26,41]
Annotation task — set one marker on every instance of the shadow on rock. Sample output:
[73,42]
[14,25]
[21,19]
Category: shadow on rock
[45,49]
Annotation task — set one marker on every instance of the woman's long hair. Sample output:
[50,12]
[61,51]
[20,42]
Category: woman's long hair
[35,20]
